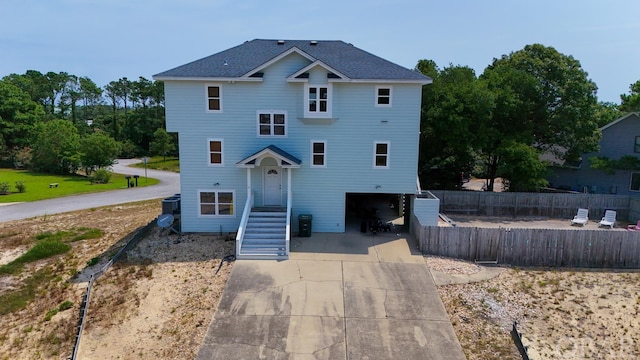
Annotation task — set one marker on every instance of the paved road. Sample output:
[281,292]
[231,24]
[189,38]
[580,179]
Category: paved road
[168,186]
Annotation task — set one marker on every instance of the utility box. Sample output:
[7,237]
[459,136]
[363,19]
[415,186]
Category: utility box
[304,225]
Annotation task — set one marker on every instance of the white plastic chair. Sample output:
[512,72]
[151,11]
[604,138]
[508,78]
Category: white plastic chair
[582,217]
[609,219]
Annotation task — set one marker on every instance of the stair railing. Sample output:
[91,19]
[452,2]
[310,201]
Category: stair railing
[287,233]
[243,223]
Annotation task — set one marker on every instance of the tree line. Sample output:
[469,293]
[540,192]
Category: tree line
[526,106]
[60,122]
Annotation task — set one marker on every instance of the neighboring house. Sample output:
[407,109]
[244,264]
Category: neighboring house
[620,137]
[272,129]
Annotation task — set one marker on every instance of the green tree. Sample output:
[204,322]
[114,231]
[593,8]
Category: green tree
[544,100]
[455,106]
[631,102]
[18,116]
[97,150]
[56,147]
[521,168]
[607,112]
[162,143]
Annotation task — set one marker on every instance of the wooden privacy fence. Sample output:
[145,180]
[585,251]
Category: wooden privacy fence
[533,247]
[560,206]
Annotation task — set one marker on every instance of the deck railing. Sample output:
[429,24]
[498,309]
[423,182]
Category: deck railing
[243,223]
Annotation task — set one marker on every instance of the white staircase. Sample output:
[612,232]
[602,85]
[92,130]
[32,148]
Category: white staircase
[265,235]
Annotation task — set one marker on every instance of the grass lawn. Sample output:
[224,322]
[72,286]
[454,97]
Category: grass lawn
[37,185]
[158,163]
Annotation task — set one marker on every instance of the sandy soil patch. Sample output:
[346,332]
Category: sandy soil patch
[563,314]
[159,303]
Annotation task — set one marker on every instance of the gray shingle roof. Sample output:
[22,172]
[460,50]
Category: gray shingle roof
[345,58]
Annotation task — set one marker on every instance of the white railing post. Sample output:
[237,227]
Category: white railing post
[243,222]
[288,226]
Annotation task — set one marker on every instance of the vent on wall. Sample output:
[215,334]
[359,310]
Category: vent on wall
[313,42]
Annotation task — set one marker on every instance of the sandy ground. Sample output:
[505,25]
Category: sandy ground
[562,313]
[159,303]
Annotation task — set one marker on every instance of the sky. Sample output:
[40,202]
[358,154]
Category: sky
[108,40]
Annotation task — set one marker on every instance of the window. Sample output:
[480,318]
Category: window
[636,147]
[635,182]
[215,152]
[318,101]
[214,98]
[381,155]
[272,123]
[318,153]
[383,96]
[216,203]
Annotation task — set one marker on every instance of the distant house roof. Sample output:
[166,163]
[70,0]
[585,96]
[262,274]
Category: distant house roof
[619,119]
[246,60]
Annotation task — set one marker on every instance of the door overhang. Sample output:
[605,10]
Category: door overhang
[283,158]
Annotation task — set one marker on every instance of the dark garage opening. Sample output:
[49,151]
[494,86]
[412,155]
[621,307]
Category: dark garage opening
[378,212]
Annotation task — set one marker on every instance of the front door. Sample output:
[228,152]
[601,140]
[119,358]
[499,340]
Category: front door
[272,183]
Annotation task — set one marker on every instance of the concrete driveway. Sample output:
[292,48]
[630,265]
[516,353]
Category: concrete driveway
[340,296]
[168,186]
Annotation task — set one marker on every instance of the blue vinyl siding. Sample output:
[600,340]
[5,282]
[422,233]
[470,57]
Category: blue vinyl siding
[355,125]
[617,140]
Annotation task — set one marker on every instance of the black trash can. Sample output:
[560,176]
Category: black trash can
[304,225]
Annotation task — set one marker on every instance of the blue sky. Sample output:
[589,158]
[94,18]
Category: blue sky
[107,40]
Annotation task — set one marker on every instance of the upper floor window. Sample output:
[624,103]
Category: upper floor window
[318,101]
[216,203]
[636,146]
[215,152]
[381,154]
[383,96]
[272,123]
[318,153]
[214,98]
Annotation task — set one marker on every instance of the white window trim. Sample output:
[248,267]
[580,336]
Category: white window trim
[216,191]
[375,143]
[377,96]
[206,97]
[209,152]
[272,124]
[631,181]
[324,165]
[317,114]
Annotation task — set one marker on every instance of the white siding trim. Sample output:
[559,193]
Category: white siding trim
[206,97]
[209,152]
[377,96]
[311,154]
[388,163]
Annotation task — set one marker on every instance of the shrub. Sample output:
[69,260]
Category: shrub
[21,187]
[93,261]
[102,176]
[65,305]
[4,188]
[50,314]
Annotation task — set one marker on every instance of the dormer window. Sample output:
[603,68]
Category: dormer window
[214,98]
[317,101]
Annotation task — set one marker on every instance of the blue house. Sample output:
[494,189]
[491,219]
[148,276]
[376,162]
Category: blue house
[619,138]
[272,129]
